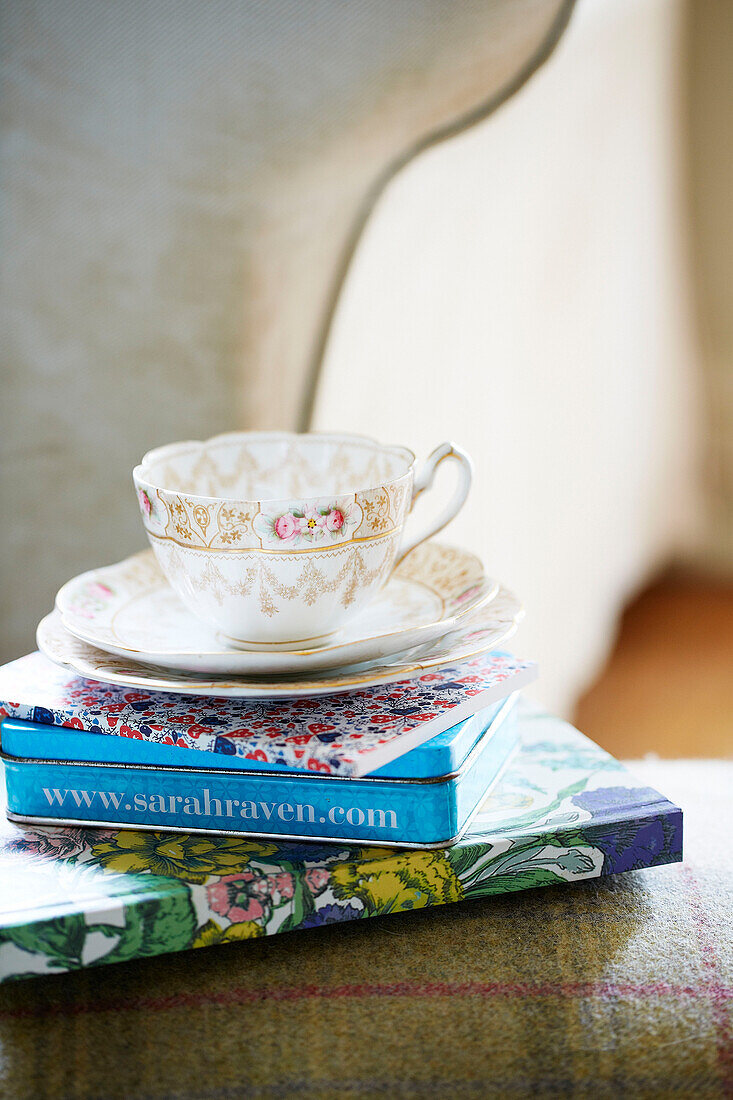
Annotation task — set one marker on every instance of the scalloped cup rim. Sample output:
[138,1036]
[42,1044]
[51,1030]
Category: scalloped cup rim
[171,450]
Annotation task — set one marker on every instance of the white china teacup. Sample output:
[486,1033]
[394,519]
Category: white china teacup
[278,539]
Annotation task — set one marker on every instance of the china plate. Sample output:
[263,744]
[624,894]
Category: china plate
[129,609]
[485,629]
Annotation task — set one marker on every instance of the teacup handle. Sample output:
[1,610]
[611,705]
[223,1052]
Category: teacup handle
[424,480]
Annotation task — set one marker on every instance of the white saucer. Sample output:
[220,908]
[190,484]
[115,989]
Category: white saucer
[485,629]
[130,610]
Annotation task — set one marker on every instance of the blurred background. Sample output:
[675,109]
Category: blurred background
[505,222]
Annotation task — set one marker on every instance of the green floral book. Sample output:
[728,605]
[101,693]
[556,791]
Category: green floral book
[563,811]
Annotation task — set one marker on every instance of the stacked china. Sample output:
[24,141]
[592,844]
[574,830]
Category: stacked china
[280,568]
[284,633]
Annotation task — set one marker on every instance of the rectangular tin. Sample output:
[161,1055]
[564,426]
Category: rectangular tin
[143,785]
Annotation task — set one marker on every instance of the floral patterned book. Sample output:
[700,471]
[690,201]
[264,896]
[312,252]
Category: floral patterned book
[564,811]
[352,734]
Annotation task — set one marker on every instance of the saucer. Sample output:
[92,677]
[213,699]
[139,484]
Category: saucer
[485,629]
[130,610]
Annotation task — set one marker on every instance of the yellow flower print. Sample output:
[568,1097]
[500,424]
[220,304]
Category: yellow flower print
[193,858]
[389,881]
[212,933]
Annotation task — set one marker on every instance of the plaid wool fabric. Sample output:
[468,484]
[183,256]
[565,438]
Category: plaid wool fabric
[621,987]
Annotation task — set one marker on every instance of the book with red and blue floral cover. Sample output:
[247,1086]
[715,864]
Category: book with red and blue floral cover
[563,811]
[353,734]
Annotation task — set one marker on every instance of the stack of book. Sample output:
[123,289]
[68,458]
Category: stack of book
[405,765]
[239,819]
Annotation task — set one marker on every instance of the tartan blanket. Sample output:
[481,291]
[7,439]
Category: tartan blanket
[613,987]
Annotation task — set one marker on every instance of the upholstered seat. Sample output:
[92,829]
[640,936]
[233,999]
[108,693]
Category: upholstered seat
[183,186]
[618,988]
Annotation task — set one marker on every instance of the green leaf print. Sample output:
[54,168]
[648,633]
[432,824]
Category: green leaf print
[166,923]
[463,857]
[530,818]
[529,864]
[521,880]
[61,938]
[303,900]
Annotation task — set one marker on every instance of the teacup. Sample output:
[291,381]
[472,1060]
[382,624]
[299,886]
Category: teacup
[277,539]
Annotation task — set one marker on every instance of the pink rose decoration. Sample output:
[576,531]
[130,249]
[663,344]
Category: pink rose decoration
[145,502]
[317,879]
[99,591]
[286,526]
[335,520]
[312,523]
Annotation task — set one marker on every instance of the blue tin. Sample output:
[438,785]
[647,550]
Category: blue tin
[426,798]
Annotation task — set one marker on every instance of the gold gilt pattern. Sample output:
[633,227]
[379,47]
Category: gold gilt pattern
[454,575]
[383,508]
[125,605]
[228,525]
[255,474]
[251,470]
[311,583]
[216,526]
[255,578]
[484,630]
